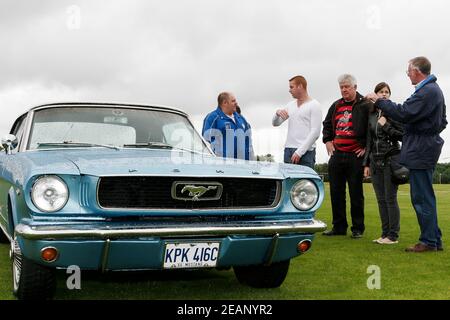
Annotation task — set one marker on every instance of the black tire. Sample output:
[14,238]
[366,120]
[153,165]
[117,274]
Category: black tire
[31,281]
[3,237]
[261,276]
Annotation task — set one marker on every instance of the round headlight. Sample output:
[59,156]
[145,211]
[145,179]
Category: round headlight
[304,195]
[49,193]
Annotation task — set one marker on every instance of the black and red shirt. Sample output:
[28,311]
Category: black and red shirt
[345,137]
[358,117]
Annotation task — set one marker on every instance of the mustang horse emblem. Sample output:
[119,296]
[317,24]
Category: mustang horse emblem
[197,191]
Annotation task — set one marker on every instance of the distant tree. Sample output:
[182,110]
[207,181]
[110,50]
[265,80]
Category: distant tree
[322,170]
[268,158]
[442,173]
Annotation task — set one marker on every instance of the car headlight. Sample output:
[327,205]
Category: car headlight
[49,193]
[304,195]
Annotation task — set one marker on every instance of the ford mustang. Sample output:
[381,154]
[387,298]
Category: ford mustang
[131,187]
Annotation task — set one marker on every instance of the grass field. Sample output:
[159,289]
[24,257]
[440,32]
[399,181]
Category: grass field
[335,268]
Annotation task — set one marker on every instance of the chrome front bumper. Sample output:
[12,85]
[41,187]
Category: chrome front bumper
[116,231]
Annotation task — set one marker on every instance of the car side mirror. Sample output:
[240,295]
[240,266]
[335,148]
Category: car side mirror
[9,143]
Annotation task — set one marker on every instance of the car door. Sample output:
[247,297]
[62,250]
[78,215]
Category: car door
[18,130]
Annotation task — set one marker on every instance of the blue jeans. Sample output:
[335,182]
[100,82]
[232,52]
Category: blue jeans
[424,203]
[308,159]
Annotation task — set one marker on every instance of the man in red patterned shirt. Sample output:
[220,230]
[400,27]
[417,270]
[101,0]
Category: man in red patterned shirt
[344,134]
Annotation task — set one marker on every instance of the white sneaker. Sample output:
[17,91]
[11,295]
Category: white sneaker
[377,240]
[387,241]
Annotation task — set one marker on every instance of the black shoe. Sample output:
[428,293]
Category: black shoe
[356,235]
[441,248]
[333,232]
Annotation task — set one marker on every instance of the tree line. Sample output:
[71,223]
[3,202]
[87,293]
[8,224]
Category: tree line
[441,173]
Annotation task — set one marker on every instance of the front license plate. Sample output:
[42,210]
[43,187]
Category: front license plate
[191,255]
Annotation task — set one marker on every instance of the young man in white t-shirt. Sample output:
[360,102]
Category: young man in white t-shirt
[305,121]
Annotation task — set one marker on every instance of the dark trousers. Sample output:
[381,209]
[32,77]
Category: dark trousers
[308,159]
[424,203]
[386,192]
[343,168]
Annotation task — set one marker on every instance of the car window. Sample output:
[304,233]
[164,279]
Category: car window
[85,132]
[18,129]
[18,126]
[113,126]
[177,134]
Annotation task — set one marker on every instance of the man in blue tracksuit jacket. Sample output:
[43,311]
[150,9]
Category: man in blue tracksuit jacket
[424,118]
[227,131]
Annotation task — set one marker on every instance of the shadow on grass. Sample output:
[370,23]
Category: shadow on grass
[155,285]
[147,275]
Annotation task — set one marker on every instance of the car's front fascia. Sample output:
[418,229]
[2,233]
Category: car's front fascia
[92,237]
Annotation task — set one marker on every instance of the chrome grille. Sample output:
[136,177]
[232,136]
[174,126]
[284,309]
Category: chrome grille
[156,193]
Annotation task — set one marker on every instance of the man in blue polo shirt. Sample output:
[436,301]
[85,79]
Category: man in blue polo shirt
[227,131]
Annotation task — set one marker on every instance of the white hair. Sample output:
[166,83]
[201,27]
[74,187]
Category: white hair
[347,78]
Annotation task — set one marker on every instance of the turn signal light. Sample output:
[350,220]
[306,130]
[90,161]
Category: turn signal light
[49,254]
[304,246]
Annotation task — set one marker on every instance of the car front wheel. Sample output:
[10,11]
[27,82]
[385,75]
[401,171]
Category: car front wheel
[261,276]
[30,280]
[3,237]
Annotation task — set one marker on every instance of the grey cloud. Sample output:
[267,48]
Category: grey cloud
[183,53]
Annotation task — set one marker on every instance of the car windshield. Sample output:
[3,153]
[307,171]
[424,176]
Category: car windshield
[113,127]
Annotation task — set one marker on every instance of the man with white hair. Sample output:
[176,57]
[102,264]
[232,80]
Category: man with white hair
[344,134]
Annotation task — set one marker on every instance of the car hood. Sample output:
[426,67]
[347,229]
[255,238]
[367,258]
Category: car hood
[110,162]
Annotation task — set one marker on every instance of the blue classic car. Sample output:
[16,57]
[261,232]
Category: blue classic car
[130,187]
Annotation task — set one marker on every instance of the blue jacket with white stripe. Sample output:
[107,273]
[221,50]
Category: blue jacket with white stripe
[228,138]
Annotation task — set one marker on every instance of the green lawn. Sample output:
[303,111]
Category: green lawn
[335,268]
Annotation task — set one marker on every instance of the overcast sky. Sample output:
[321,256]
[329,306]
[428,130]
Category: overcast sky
[183,53]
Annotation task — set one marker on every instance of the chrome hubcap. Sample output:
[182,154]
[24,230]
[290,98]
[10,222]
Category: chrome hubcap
[16,263]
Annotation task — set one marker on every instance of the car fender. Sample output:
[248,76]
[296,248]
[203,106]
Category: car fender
[13,219]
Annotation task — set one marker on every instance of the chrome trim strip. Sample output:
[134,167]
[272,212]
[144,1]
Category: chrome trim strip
[273,206]
[277,201]
[27,130]
[193,176]
[105,255]
[84,194]
[171,230]
[272,249]
[108,105]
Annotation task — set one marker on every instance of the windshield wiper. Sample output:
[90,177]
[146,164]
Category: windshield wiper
[156,145]
[191,151]
[81,144]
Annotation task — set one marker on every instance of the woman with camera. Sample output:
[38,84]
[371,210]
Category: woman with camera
[381,159]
